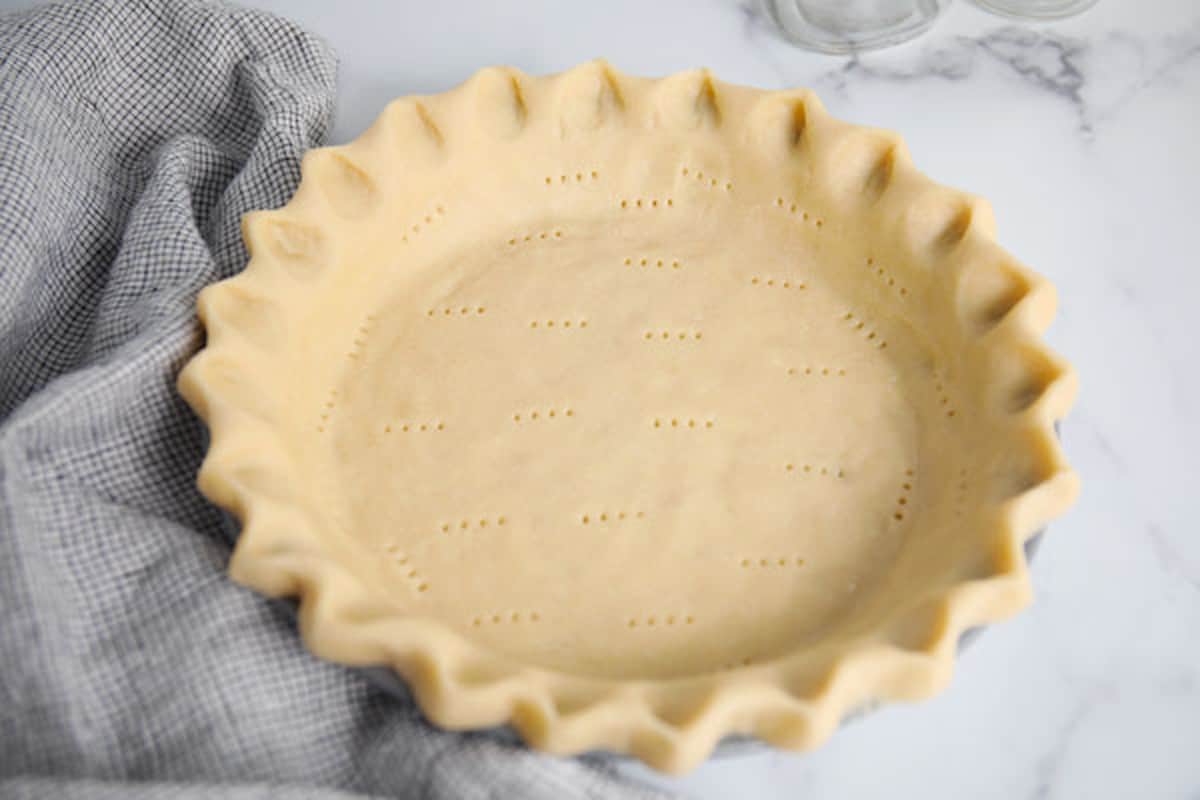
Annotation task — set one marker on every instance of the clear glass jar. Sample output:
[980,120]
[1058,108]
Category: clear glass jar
[1036,9]
[843,26]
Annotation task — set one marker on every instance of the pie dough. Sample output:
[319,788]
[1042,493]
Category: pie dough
[632,413]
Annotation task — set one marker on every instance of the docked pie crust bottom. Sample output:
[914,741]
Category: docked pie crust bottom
[633,413]
[618,428]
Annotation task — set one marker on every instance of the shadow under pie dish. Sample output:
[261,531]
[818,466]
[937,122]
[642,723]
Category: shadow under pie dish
[632,413]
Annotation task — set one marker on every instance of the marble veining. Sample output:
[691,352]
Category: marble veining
[1045,60]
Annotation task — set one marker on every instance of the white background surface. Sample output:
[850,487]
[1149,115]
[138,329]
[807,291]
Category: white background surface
[1085,135]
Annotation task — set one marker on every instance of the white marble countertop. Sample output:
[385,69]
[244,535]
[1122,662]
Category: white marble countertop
[1085,136]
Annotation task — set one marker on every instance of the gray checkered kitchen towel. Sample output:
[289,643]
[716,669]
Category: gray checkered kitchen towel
[133,135]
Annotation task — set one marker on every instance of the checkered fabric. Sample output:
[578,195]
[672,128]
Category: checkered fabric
[133,135]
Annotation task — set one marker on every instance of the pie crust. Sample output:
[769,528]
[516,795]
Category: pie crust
[632,413]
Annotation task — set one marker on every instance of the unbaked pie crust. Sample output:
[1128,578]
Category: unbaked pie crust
[632,413]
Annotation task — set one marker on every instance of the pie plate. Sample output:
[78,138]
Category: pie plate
[633,414]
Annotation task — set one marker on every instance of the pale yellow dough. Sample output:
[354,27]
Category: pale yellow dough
[632,413]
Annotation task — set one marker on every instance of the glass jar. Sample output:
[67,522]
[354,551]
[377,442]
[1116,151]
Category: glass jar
[843,26]
[1036,9]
